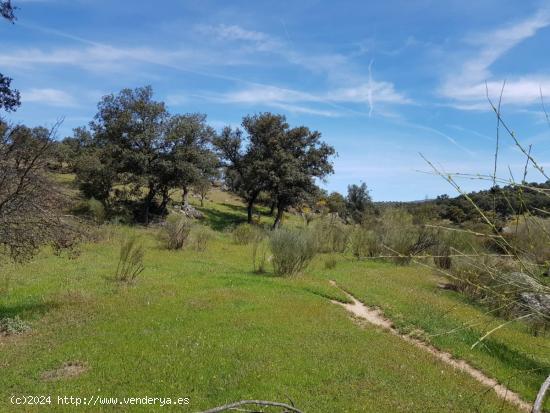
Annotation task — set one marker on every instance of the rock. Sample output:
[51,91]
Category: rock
[538,302]
[191,212]
[522,281]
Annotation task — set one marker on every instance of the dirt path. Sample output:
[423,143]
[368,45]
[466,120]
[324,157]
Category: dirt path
[375,317]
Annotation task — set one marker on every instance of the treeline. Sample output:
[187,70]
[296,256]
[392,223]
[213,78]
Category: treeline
[498,203]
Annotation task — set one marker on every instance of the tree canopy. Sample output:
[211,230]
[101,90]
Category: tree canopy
[273,158]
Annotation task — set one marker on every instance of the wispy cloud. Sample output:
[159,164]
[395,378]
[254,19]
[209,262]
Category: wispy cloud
[54,97]
[466,87]
[261,41]
[335,98]
[344,82]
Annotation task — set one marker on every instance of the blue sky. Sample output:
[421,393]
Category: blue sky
[382,81]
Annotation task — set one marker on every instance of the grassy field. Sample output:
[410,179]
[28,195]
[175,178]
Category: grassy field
[202,325]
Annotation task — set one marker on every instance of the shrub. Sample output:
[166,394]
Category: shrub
[175,232]
[130,261]
[450,242]
[292,250]
[398,234]
[13,325]
[97,211]
[91,208]
[365,243]
[530,236]
[244,234]
[200,237]
[332,234]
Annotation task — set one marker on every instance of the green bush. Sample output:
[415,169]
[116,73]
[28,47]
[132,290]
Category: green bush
[244,234]
[97,211]
[130,261]
[292,250]
[175,232]
[91,208]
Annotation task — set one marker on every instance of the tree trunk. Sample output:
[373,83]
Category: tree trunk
[165,200]
[148,201]
[185,196]
[272,209]
[279,217]
[202,200]
[249,211]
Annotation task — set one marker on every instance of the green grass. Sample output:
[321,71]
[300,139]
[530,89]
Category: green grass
[202,325]
[409,296]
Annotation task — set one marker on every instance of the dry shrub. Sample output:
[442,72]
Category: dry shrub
[292,250]
[332,234]
[401,238]
[365,243]
[175,232]
[448,243]
[530,236]
[32,206]
[200,237]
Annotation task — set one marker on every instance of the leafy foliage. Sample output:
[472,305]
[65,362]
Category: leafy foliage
[358,202]
[10,99]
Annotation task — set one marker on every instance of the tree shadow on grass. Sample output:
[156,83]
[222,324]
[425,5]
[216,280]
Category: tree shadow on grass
[220,220]
[26,310]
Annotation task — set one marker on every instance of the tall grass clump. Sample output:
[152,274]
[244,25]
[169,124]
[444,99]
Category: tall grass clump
[130,261]
[292,250]
[175,232]
[260,250]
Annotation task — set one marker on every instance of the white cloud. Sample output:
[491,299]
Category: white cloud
[54,97]
[467,86]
